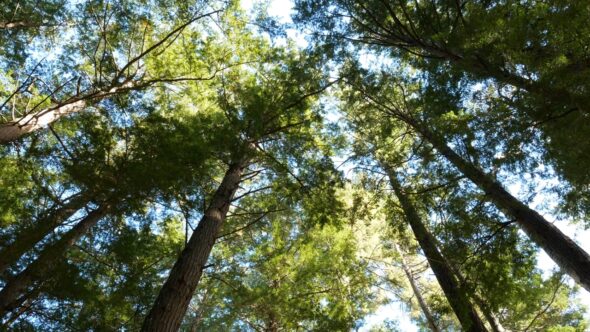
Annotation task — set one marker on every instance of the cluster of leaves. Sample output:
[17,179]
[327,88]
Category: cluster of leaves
[153,100]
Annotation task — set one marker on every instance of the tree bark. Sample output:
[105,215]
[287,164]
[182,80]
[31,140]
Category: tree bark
[29,237]
[566,253]
[170,307]
[463,309]
[42,267]
[421,302]
[11,131]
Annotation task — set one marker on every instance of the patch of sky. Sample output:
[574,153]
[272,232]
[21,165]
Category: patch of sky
[280,11]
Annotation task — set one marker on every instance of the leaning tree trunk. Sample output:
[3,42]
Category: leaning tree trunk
[463,309]
[480,302]
[566,253]
[24,303]
[170,307]
[50,257]
[421,302]
[13,130]
[36,120]
[484,308]
[29,237]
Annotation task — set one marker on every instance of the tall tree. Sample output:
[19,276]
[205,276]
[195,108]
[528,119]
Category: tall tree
[470,232]
[39,269]
[190,144]
[26,239]
[112,167]
[456,295]
[417,292]
[173,300]
[292,280]
[261,106]
[395,102]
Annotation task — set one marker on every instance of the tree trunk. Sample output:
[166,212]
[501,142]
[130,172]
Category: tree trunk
[487,313]
[29,237]
[568,255]
[20,24]
[480,302]
[13,130]
[456,296]
[23,304]
[170,307]
[42,267]
[421,302]
[271,324]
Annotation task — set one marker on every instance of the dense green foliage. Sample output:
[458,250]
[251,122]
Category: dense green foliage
[138,111]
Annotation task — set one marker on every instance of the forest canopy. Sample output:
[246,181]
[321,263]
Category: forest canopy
[306,165]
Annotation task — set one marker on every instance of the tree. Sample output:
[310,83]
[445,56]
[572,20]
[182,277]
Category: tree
[418,293]
[394,102]
[107,280]
[114,180]
[26,239]
[457,297]
[39,269]
[103,75]
[528,49]
[279,272]
[257,111]
[187,165]
[471,234]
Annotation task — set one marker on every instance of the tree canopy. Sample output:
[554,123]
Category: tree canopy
[195,165]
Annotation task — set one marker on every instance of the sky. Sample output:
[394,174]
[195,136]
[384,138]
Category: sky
[282,10]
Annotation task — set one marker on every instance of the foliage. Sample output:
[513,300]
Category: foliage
[172,92]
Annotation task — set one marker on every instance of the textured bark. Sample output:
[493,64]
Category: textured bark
[42,267]
[566,253]
[29,237]
[463,309]
[421,302]
[174,297]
